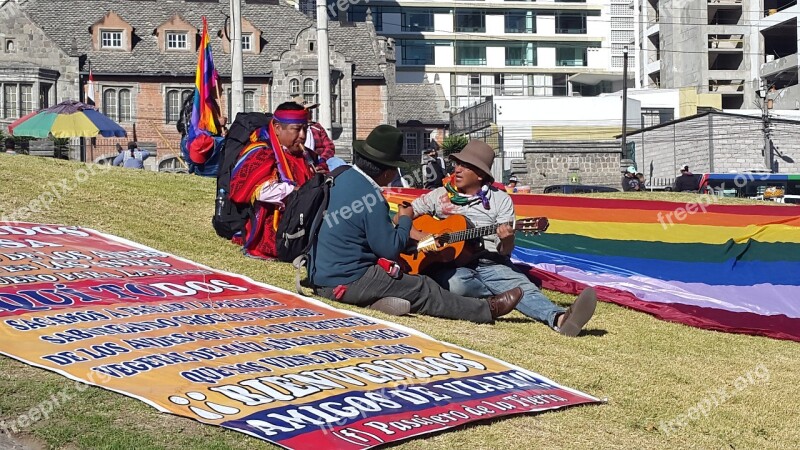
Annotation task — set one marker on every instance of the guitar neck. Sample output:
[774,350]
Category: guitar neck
[474,233]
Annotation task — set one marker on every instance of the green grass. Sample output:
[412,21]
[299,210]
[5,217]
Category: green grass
[650,371]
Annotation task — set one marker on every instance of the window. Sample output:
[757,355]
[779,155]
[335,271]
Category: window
[475,84]
[249,101]
[26,90]
[418,20]
[656,116]
[247,42]
[509,84]
[358,13]
[470,21]
[417,52]
[10,46]
[470,53]
[426,139]
[570,23]
[10,101]
[520,22]
[177,41]
[571,56]
[521,54]
[411,142]
[336,106]
[111,39]
[125,105]
[175,99]
[44,95]
[310,95]
[110,104]
[118,104]
[294,86]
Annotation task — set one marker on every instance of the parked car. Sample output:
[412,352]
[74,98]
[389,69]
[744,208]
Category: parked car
[577,189]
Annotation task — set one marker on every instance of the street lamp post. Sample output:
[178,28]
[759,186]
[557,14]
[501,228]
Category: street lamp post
[624,100]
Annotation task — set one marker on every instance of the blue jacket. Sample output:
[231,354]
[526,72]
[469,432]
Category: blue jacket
[356,232]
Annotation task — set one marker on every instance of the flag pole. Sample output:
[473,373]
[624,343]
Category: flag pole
[237,71]
[323,66]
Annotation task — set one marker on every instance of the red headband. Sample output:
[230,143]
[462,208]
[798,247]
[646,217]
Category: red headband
[292,116]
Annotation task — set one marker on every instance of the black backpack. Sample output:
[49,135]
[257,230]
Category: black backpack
[229,217]
[303,214]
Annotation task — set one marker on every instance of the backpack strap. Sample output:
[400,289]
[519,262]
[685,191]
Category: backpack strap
[302,261]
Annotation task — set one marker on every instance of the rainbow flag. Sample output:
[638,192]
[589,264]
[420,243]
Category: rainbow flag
[733,268]
[206,111]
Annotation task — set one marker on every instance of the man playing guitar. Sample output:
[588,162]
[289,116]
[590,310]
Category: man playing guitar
[469,192]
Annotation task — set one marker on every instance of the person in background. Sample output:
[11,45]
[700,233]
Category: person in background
[629,181]
[10,146]
[353,259]
[433,169]
[317,138]
[133,158]
[640,177]
[686,181]
[511,187]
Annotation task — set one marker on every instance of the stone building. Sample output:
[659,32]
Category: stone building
[422,113]
[143,53]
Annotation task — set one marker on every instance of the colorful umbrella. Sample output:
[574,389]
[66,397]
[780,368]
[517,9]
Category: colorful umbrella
[67,119]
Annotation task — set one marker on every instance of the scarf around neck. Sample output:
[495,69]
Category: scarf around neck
[459,199]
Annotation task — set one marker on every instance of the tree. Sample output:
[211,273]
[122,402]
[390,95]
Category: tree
[453,144]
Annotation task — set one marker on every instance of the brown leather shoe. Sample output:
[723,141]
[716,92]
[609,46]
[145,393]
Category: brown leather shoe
[504,303]
[575,318]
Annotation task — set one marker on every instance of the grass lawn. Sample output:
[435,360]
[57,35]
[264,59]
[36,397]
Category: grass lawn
[650,371]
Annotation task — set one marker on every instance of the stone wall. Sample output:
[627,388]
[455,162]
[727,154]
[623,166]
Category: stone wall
[570,162]
[713,143]
[35,59]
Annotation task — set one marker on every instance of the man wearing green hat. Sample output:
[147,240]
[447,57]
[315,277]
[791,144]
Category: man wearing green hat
[352,261]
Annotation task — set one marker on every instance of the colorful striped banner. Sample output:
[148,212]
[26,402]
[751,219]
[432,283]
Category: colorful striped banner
[733,268]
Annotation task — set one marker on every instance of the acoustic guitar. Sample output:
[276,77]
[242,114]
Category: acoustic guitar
[446,238]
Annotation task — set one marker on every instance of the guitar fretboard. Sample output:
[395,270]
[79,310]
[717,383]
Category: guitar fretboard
[474,233]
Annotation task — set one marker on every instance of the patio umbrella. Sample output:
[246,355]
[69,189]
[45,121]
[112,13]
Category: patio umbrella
[67,119]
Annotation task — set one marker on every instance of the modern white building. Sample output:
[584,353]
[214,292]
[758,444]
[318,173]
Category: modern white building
[506,48]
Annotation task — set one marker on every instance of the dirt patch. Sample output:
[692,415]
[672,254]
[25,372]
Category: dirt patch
[19,442]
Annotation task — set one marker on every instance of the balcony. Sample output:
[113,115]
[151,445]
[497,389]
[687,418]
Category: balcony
[725,2]
[726,86]
[789,98]
[784,64]
[726,42]
[653,65]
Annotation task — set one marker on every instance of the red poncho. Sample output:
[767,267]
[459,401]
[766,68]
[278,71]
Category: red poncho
[258,165]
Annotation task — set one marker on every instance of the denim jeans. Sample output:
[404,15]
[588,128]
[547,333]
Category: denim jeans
[485,278]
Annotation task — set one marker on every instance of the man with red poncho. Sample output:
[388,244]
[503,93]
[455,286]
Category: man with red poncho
[274,164]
